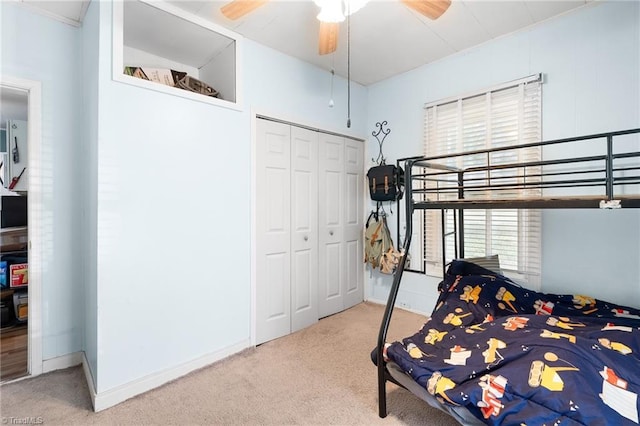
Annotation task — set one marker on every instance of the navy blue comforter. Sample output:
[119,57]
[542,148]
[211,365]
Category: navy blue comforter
[515,356]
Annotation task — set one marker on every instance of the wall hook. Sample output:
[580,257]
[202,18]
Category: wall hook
[380,160]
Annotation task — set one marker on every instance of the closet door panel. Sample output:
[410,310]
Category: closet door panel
[275,213]
[273,228]
[304,237]
[331,222]
[302,295]
[332,288]
[353,259]
[277,273]
[333,204]
[353,222]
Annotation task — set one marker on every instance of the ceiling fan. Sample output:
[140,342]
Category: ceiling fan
[333,12]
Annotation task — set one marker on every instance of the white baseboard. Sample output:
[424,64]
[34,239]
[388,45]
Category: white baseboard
[398,306]
[64,361]
[111,397]
[88,375]
[376,301]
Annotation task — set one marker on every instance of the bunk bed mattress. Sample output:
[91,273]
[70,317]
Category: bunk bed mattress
[510,355]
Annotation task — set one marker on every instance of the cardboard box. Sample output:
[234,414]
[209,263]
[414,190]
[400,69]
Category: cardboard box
[19,274]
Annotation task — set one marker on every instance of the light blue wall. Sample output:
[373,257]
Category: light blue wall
[89,34]
[173,209]
[38,48]
[284,86]
[591,65]
[147,196]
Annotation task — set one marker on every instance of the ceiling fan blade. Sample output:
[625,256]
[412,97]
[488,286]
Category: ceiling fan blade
[432,9]
[238,8]
[328,40]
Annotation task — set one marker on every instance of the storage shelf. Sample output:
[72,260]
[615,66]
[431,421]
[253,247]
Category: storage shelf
[195,46]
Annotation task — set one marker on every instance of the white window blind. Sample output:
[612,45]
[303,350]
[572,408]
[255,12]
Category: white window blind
[503,116]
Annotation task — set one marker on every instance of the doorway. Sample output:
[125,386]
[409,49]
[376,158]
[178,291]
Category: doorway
[20,323]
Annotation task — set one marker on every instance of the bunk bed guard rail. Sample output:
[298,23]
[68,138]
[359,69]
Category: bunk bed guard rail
[503,178]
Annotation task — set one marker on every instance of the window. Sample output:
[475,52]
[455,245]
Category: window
[503,116]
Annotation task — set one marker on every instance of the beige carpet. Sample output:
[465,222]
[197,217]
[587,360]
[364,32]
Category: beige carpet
[320,375]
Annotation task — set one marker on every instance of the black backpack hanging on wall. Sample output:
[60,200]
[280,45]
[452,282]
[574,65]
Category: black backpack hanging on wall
[385,183]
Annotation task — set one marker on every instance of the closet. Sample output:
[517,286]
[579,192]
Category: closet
[309,221]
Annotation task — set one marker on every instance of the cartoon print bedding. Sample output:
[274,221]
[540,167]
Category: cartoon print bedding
[515,356]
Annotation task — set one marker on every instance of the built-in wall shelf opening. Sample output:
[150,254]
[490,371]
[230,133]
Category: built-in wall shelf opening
[159,46]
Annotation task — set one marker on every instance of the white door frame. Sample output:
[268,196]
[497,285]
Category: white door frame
[34,209]
[257,113]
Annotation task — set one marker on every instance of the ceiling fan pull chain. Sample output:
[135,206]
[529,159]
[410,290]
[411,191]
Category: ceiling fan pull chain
[348,71]
[333,73]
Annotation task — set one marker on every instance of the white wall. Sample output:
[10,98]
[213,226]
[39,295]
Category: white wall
[173,209]
[591,63]
[37,48]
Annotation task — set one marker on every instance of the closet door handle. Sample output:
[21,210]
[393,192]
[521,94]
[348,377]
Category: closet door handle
[330,232]
[306,238]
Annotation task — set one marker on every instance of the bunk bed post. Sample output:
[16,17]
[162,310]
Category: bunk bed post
[443,229]
[393,293]
[408,197]
[609,160]
[460,230]
[398,207]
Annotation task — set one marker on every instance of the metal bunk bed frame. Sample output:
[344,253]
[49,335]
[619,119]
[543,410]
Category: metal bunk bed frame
[456,185]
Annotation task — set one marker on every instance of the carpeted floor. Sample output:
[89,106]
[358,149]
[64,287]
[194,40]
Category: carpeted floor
[320,375]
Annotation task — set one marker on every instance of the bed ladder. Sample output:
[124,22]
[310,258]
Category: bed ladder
[382,335]
[383,376]
[458,233]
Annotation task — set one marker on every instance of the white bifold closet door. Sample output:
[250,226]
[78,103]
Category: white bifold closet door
[308,227]
[354,181]
[304,228]
[341,188]
[287,229]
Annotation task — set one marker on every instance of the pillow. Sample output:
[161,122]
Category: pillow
[492,263]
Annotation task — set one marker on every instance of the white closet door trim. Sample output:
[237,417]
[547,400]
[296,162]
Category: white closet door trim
[308,127]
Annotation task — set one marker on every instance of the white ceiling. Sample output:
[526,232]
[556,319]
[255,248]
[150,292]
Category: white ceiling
[69,11]
[141,20]
[387,38]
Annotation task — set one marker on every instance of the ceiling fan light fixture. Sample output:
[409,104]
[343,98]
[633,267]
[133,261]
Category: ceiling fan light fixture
[352,6]
[336,10]
[330,11]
